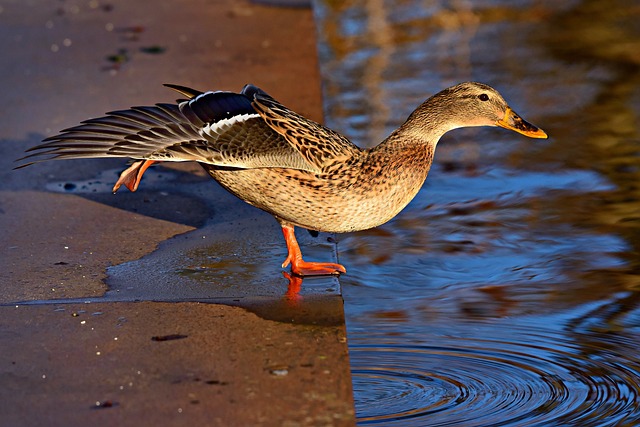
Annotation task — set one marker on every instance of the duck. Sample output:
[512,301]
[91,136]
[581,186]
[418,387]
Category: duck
[301,172]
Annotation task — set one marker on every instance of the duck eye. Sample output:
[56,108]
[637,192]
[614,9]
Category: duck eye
[483,97]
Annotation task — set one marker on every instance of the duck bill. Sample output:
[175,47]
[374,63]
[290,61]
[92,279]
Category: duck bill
[514,122]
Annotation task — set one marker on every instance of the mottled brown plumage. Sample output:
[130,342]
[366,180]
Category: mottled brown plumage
[299,171]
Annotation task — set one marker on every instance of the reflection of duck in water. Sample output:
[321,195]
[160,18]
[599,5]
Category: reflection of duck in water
[299,171]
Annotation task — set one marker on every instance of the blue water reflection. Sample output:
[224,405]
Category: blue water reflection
[507,292]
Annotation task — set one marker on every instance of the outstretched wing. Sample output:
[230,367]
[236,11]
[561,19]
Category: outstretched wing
[317,144]
[219,128]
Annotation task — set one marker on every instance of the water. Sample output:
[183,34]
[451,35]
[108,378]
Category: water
[506,293]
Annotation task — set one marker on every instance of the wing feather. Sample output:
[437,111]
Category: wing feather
[241,130]
[317,144]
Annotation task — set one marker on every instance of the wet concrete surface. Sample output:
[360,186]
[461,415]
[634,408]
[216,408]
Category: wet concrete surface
[167,364]
[166,305]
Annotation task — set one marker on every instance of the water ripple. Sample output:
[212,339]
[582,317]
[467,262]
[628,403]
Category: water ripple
[543,379]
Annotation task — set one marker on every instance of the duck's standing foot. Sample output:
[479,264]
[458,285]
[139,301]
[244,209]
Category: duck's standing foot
[301,267]
[132,175]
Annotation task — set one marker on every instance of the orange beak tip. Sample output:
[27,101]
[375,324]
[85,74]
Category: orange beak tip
[539,134]
[514,122]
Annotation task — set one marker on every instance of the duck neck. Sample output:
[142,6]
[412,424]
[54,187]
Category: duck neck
[417,137]
[429,122]
[405,157]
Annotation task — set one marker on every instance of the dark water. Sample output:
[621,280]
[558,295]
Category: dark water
[507,293]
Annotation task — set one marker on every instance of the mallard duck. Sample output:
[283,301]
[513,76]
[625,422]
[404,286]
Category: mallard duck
[302,173]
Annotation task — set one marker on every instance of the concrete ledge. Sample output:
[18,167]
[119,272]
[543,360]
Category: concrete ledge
[166,306]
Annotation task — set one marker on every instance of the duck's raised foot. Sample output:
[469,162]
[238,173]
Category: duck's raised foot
[132,175]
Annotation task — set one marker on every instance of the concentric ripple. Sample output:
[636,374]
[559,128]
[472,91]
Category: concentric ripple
[524,380]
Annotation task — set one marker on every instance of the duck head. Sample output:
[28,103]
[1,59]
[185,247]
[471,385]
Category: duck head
[471,104]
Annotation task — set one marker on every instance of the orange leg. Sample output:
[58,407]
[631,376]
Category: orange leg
[132,175]
[298,265]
